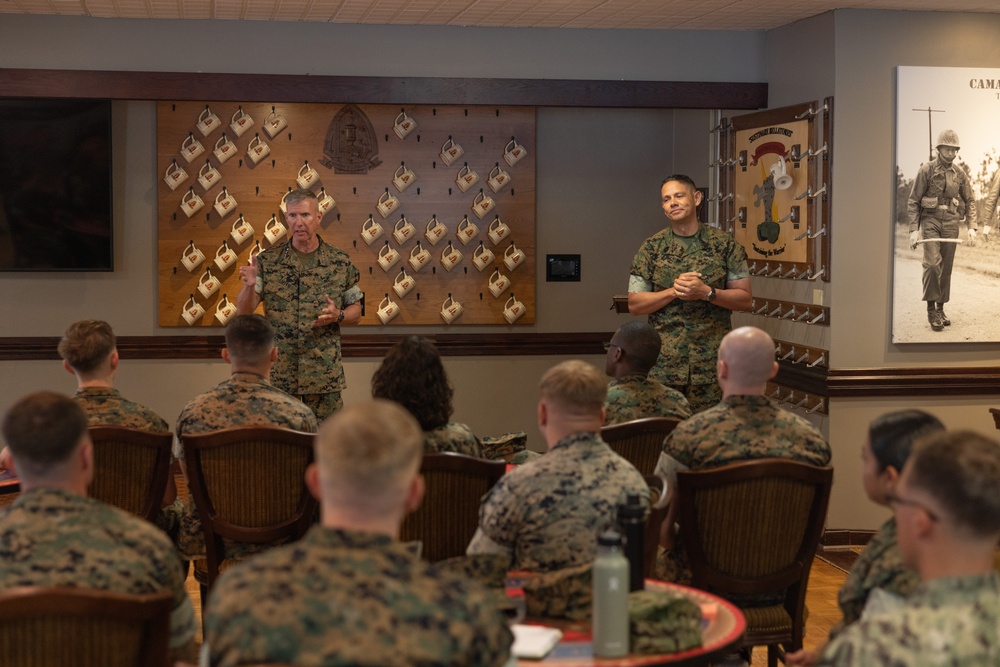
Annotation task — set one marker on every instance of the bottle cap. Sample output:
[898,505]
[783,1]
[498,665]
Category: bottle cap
[632,508]
[609,538]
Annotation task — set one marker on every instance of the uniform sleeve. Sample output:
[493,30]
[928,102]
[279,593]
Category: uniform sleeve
[500,516]
[971,212]
[736,262]
[642,265]
[913,201]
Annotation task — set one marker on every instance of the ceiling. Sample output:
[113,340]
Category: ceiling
[621,14]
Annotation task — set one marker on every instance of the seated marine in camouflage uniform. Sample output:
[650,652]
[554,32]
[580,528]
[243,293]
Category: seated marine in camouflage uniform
[53,535]
[745,425]
[245,398]
[546,514]
[349,593]
[632,353]
[947,510]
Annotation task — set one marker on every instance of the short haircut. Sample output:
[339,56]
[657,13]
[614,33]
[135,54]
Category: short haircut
[680,178]
[87,344]
[413,376]
[576,387]
[961,471]
[300,195]
[892,435]
[367,453]
[249,339]
[43,430]
[749,353]
[641,345]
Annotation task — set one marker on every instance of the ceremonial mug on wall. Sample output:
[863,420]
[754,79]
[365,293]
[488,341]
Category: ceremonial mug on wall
[307,176]
[254,251]
[513,257]
[482,205]
[466,178]
[224,149]
[497,178]
[192,258]
[387,203]
[274,230]
[482,256]
[387,309]
[498,283]
[241,230]
[225,203]
[419,257]
[325,202]
[191,203]
[403,178]
[435,230]
[513,152]
[404,283]
[225,311]
[387,257]
[240,122]
[451,310]
[175,175]
[371,230]
[274,123]
[224,256]
[513,310]
[207,122]
[466,230]
[191,148]
[403,230]
[208,284]
[451,151]
[497,231]
[208,176]
[403,125]
[450,257]
[192,311]
[257,150]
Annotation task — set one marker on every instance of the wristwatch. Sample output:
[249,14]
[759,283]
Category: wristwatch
[340,318]
[711,295]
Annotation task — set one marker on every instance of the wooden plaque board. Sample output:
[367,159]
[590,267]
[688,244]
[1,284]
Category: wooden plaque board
[356,154]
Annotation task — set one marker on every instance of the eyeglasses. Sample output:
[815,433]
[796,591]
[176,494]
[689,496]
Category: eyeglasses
[609,345]
[893,500]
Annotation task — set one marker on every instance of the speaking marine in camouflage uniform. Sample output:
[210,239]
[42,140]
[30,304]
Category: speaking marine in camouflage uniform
[947,510]
[546,514]
[745,425]
[349,593]
[309,289]
[688,278]
[53,535]
[632,352]
[941,196]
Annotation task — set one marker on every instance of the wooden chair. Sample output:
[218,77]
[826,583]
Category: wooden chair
[248,485]
[131,468]
[751,529]
[659,506]
[46,627]
[449,514]
[640,441]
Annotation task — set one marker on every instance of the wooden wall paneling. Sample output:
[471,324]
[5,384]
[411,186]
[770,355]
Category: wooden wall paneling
[483,133]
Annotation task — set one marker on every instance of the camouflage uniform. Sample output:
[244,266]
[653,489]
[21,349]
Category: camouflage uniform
[880,565]
[105,406]
[636,397]
[739,428]
[341,597]
[932,208]
[293,287]
[453,437]
[549,511]
[690,331]
[243,399]
[51,537]
[952,621]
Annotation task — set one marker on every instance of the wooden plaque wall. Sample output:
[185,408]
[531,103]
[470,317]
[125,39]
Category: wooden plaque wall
[355,153]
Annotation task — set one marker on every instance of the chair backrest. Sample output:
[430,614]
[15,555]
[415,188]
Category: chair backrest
[131,468]
[449,514]
[752,528]
[41,626]
[659,506]
[248,485]
[640,441]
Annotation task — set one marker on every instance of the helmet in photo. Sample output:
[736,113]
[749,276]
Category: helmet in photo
[948,138]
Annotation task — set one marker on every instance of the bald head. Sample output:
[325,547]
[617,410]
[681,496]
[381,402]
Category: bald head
[746,361]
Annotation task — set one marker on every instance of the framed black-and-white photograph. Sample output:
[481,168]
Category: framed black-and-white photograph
[946,254]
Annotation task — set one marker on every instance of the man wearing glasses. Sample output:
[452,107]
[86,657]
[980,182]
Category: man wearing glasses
[947,509]
[632,394]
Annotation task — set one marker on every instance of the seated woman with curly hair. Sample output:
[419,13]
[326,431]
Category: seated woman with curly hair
[413,376]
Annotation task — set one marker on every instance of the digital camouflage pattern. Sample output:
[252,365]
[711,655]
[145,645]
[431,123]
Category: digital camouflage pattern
[662,622]
[953,621]
[51,537]
[294,295]
[453,437]
[690,331]
[637,397]
[880,565]
[350,598]
[105,406]
[243,399]
[549,511]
